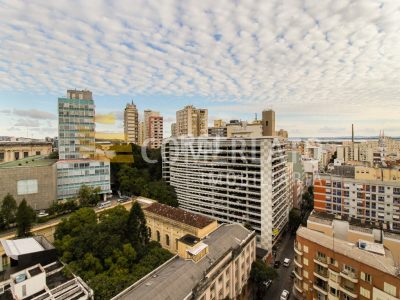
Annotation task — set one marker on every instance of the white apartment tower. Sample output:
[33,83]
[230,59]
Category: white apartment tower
[233,180]
[131,124]
[191,121]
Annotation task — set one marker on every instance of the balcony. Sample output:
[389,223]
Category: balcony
[298,288]
[320,288]
[351,276]
[299,252]
[348,290]
[322,261]
[322,274]
[296,273]
[297,263]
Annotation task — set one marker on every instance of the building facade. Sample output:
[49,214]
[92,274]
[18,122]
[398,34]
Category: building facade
[153,129]
[231,180]
[131,124]
[76,128]
[11,151]
[331,268]
[168,224]
[215,267]
[268,123]
[191,121]
[368,194]
[33,179]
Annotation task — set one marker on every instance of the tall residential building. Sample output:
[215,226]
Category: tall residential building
[231,180]
[153,129]
[365,193]
[268,123]
[131,124]
[219,129]
[173,129]
[141,133]
[191,121]
[335,260]
[76,166]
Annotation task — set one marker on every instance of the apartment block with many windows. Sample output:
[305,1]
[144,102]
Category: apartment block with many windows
[331,268]
[76,133]
[368,194]
[232,180]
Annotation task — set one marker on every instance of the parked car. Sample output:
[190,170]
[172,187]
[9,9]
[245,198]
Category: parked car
[42,214]
[286,262]
[104,204]
[292,274]
[123,199]
[285,295]
[277,264]
[267,283]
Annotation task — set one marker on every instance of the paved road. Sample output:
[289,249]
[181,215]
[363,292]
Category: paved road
[284,281]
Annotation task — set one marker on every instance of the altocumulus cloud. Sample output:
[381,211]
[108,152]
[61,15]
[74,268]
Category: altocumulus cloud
[33,114]
[312,52]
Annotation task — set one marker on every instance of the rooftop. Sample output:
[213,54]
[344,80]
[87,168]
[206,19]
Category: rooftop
[31,161]
[179,215]
[384,263]
[24,143]
[177,278]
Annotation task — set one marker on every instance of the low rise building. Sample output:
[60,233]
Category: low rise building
[33,179]
[328,267]
[11,151]
[214,267]
[35,273]
[168,224]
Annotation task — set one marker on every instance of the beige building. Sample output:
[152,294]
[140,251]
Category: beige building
[191,121]
[244,129]
[131,123]
[33,179]
[282,133]
[173,129]
[11,151]
[335,260]
[153,129]
[168,224]
[215,267]
[141,133]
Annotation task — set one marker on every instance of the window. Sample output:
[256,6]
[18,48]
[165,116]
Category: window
[333,261]
[37,152]
[305,286]
[305,274]
[16,155]
[305,248]
[305,261]
[364,292]
[390,289]
[1,156]
[149,230]
[26,154]
[167,239]
[158,236]
[27,187]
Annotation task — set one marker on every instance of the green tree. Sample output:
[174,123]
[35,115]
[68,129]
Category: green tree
[8,209]
[88,196]
[259,274]
[53,155]
[137,232]
[294,219]
[24,219]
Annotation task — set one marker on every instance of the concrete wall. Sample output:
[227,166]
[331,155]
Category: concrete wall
[45,176]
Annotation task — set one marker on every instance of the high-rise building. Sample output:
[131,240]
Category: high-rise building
[268,123]
[76,166]
[173,129]
[231,180]
[335,260]
[131,123]
[365,193]
[141,133]
[219,129]
[191,121]
[153,129]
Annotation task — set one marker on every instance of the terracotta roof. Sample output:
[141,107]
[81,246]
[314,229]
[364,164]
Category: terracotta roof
[179,215]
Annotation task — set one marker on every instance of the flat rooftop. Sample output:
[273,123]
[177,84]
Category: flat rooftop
[384,263]
[177,278]
[31,161]
[179,215]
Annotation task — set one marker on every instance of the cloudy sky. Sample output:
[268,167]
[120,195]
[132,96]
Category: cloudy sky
[321,65]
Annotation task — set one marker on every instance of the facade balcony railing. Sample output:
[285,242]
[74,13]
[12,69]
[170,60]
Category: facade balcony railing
[322,261]
[349,290]
[351,276]
[321,288]
[297,263]
[323,274]
[299,252]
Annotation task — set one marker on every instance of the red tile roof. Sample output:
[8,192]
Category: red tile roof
[179,215]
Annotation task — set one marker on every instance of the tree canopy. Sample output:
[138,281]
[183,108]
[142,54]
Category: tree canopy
[259,274]
[24,219]
[88,196]
[8,210]
[110,251]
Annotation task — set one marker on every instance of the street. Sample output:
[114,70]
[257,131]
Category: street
[284,281]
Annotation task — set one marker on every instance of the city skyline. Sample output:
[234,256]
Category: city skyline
[321,68]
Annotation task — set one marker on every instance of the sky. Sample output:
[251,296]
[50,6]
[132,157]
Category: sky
[321,65]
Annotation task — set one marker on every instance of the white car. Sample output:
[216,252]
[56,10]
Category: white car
[285,295]
[286,262]
[42,213]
